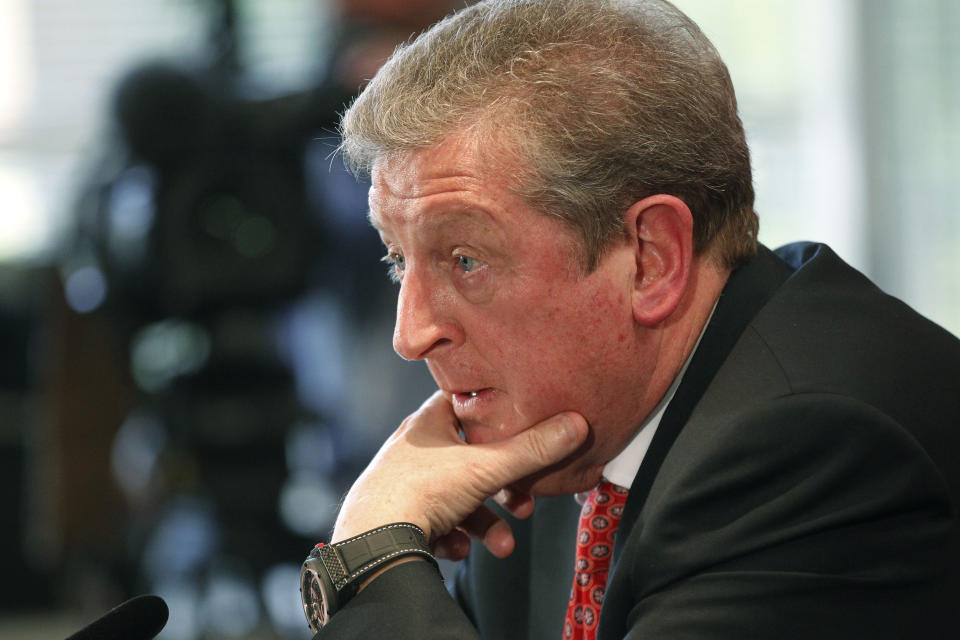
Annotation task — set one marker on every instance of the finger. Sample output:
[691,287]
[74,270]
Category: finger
[437,402]
[492,530]
[452,546]
[435,410]
[533,449]
[519,503]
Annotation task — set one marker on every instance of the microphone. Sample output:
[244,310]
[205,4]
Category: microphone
[139,618]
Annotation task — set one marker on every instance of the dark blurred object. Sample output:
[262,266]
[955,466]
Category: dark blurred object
[204,205]
[23,586]
[139,618]
[211,210]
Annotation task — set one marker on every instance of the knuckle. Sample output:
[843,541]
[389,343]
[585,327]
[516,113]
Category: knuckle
[481,476]
[442,512]
[537,447]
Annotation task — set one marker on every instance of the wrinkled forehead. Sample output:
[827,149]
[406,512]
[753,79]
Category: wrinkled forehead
[408,172]
[436,186]
[464,162]
[408,179]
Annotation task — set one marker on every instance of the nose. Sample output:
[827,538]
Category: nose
[425,323]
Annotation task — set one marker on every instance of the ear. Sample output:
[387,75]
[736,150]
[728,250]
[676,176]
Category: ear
[660,229]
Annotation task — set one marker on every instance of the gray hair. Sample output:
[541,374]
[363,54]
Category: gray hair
[599,103]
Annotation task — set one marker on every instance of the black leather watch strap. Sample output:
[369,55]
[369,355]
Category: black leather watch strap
[354,557]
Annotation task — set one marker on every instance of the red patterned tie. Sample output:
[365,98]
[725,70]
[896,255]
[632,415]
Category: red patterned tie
[599,520]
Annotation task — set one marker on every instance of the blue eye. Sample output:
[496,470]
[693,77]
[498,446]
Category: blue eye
[466,263]
[395,263]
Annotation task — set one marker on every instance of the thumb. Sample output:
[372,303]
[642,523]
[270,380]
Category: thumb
[538,447]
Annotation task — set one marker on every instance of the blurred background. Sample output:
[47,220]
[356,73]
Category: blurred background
[195,354]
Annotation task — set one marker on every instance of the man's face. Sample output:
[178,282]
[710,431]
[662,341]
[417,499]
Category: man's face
[493,298]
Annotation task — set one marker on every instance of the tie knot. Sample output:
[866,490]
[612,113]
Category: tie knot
[606,499]
[608,488]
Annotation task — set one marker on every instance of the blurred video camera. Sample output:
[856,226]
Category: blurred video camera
[209,206]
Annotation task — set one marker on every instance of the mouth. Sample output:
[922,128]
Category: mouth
[471,396]
[478,412]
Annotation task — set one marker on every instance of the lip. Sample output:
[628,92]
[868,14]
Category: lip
[468,402]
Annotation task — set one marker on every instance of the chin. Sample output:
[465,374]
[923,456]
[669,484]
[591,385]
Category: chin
[565,478]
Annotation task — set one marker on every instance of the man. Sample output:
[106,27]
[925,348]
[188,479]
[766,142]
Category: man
[564,191]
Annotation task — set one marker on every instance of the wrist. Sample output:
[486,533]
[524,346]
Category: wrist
[333,573]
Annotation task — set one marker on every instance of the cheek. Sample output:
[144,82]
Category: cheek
[556,349]
[576,326]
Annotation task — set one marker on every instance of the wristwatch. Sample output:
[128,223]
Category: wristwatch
[332,573]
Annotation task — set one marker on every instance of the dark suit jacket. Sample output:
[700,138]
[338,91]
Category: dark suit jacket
[803,483]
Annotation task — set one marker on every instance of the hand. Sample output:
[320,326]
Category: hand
[486,525]
[426,474]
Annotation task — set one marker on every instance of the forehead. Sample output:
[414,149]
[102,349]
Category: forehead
[412,187]
[419,172]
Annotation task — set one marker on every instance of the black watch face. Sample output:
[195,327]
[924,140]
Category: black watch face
[312,592]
